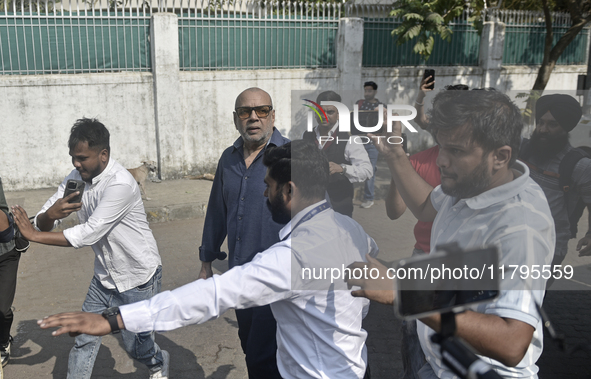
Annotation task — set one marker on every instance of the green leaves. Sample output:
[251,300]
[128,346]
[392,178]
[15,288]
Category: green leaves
[421,20]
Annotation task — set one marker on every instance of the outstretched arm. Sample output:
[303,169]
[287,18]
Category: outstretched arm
[264,280]
[30,233]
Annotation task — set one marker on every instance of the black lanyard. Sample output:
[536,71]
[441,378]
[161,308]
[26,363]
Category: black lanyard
[313,212]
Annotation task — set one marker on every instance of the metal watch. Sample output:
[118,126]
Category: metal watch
[110,314]
[344,166]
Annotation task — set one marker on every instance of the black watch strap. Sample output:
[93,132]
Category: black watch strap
[110,314]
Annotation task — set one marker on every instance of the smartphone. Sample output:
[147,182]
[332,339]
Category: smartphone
[431,73]
[73,185]
[424,293]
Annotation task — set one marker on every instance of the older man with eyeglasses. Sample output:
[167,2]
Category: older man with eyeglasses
[238,209]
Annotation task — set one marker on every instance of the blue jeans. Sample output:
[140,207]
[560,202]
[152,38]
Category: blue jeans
[140,346]
[413,358]
[369,192]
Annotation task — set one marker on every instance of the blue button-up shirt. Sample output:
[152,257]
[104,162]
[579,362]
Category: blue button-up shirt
[237,207]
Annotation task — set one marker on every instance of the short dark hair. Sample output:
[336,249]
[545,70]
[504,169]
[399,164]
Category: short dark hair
[301,162]
[328,96]
[456,87]
[370,84]
[92,131]
[494,120]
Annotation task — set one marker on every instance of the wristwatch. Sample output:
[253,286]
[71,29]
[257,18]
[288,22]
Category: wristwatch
[344,166]
[110,314]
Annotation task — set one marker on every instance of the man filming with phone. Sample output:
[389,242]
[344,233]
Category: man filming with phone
[127,266]
[486,197]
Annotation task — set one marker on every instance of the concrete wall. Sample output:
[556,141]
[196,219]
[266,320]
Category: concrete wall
[38,112]
[184,119]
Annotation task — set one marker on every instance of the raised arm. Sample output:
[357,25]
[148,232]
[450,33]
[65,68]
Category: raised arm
[415,191]
[395,206]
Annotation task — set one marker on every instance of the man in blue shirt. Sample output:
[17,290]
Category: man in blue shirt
[238,209]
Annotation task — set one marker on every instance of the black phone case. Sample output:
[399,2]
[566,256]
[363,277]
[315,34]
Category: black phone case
[79,187]
[430,73]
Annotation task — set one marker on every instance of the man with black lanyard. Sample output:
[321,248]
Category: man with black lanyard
[319,333]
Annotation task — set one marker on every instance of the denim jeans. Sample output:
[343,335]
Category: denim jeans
[372,152]
[139,346]
[413,358]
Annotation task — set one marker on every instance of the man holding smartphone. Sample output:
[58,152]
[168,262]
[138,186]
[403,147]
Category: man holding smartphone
[486,197]
[127,266]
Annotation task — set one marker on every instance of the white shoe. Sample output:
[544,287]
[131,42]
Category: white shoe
[366,204]
[163,373]
[5,352]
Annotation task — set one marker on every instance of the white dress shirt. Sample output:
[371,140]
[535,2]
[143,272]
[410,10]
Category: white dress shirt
[516,218]
[360,168]
[113,221]
[319,333]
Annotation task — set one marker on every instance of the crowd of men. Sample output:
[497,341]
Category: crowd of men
[285,207]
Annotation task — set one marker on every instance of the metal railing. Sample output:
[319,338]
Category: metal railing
[238,35]
[86,36]
[47,37]
[380,48]
[525,32]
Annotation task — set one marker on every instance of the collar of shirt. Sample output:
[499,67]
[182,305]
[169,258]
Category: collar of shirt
[501,193]
[100,176]
[275,140]
[284,232]
[330,133]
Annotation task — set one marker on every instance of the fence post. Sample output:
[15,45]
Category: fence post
[350,52]
[168,114]
[492,44]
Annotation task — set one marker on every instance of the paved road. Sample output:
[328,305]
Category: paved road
[54,280]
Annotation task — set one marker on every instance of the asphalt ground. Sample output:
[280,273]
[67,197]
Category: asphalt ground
[53,280]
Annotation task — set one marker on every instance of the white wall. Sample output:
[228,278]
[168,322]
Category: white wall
[191,112]
[39,110]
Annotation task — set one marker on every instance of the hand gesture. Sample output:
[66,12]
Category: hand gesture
[389,143]
[206,271]
[584,246]
[425,84]
[22,222]
[380,289]
[62,209]
[76,323]
[334,168]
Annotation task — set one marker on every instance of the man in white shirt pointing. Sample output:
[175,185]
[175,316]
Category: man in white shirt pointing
[319,333]
[127,265]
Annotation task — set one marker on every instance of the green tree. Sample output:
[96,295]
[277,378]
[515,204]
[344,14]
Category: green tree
[422,20]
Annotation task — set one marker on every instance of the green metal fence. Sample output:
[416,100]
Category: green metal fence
[524,45]
[380,48]
[525,33]
[280,35]
[61,42]
[43,37]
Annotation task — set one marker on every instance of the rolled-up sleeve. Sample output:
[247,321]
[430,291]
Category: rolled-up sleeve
[117,200]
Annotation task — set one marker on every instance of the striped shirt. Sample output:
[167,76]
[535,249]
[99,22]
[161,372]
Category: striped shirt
[516,218]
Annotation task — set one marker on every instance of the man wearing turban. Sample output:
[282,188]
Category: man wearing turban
[556,116]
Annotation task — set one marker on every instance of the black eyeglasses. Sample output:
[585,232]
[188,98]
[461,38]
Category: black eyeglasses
[261,111]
